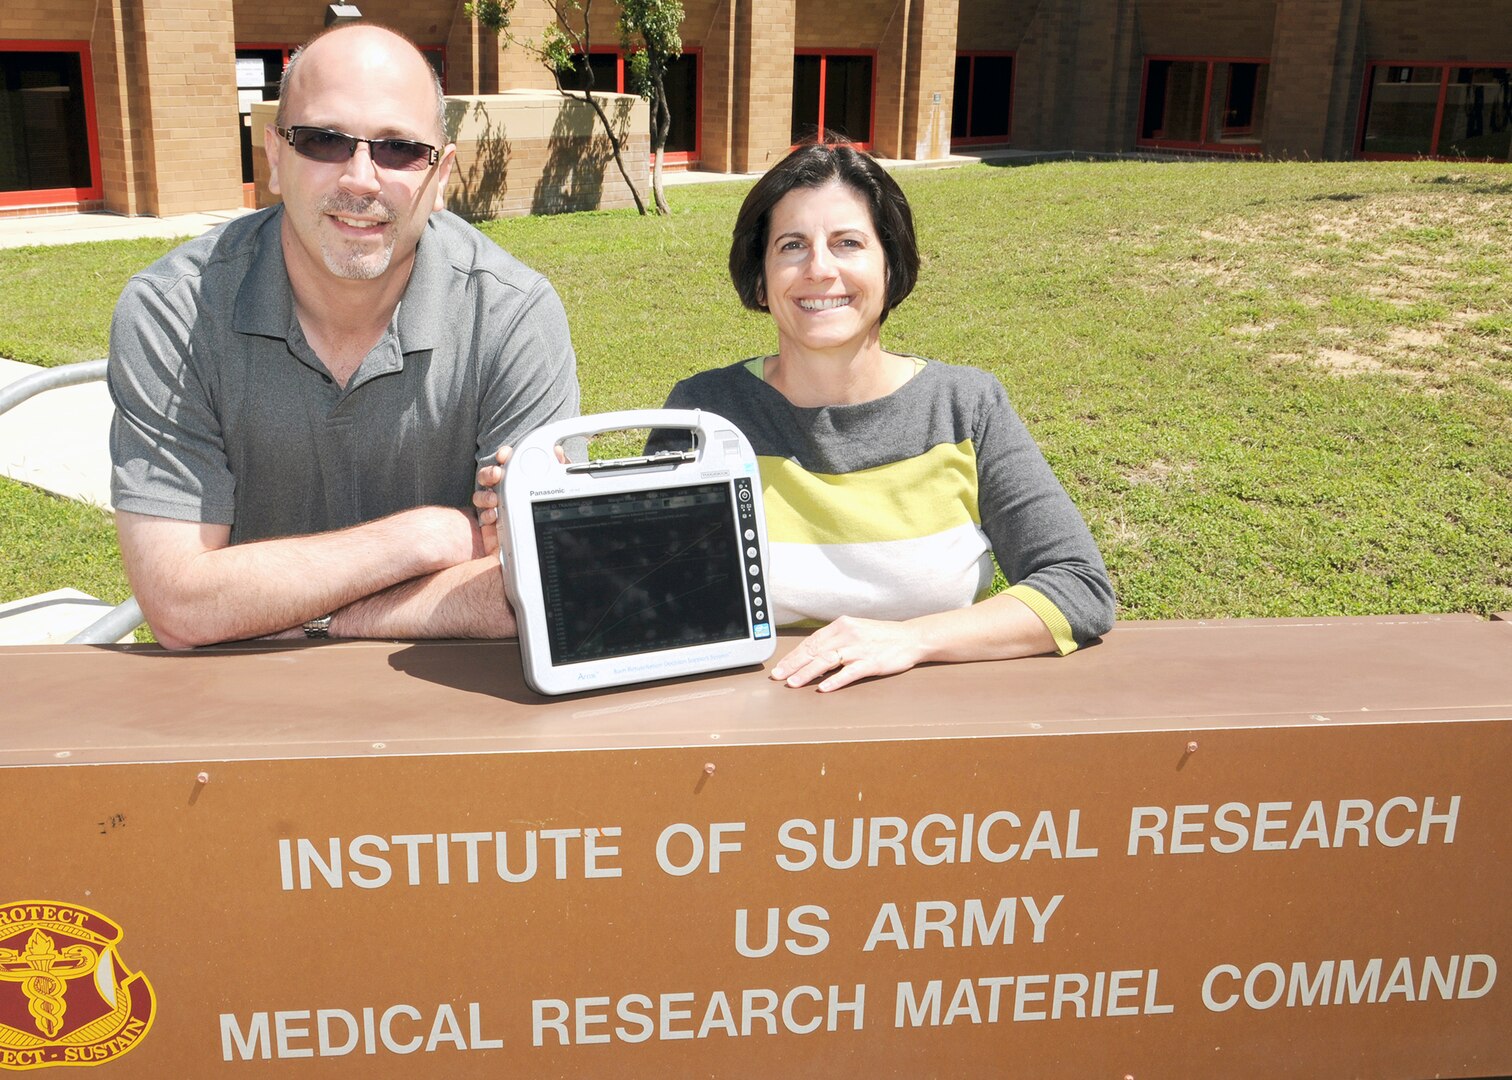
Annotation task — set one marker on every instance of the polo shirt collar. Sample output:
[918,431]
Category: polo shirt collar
[265,302]
[425,297]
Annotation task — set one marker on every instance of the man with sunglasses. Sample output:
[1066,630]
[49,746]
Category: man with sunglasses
[303,396]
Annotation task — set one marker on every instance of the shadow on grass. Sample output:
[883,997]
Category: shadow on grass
[1472,185]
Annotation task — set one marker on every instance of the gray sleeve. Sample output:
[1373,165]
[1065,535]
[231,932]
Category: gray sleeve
[167,455]
[1037,534]
[531,377]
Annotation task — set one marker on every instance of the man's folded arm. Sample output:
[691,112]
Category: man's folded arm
[462,601]
[196,588]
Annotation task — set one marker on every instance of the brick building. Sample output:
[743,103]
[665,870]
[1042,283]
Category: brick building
[143,106]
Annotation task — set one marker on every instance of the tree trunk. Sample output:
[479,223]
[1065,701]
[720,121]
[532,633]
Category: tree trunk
[656,186]
[585,47]
[661,124]
[614,145]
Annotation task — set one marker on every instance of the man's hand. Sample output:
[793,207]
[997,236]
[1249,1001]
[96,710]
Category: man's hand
[486,499]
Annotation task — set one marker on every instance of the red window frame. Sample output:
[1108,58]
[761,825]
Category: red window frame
[822,54]
[1202,144]
[1444,66]
[671,157]
[987,140]
[64,196]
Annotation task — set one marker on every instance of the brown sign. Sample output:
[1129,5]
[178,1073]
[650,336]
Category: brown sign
[1312,888]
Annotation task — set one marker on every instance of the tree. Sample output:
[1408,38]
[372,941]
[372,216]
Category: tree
[649,34]
[560,46]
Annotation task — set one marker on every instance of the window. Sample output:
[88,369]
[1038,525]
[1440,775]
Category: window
[606,67]
[259,68]
[982,104]
[1203,104]
[48,148]
[680,82]
[1437,110]
[435,56]
[832,92]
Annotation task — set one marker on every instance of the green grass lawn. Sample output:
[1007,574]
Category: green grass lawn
[1273,389]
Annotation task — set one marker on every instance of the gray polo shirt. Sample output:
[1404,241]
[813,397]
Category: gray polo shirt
[225,415]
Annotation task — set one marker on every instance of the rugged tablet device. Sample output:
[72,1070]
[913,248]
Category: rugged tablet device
[632,569]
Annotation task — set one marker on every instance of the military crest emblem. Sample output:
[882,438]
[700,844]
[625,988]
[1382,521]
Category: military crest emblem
[66,997]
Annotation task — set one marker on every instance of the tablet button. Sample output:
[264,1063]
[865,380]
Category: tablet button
[755,570]
[533,463]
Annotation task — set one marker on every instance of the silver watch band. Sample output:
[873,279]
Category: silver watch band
[318,628]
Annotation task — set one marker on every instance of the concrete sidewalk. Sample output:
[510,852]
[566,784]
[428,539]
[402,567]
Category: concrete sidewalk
[58,440]
[50,229]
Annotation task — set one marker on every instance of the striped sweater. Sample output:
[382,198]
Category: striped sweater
[891,508]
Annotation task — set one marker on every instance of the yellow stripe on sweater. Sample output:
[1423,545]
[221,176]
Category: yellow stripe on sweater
[905,500]
[1050,615]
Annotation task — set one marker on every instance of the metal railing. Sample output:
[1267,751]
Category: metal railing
[124,617]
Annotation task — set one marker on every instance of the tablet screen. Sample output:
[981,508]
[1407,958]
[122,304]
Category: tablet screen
[640,571]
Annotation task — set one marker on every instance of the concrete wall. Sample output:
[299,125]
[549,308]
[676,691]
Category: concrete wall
[1206,27]
[930,87]
[525,152]
[762,125]
[1077,75]
[1475,30]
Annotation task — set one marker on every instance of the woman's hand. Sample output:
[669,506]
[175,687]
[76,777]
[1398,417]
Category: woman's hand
[999,628]
[486,499]
[858,648]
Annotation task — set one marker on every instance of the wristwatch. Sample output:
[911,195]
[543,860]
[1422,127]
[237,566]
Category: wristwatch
[318,628]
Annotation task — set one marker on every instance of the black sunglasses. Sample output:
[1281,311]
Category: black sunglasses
[335,147]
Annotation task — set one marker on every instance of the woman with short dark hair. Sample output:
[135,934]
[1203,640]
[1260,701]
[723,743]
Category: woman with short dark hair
[815,165]
[889,480]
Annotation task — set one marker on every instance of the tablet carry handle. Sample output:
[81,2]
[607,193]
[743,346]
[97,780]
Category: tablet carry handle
[585,427]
